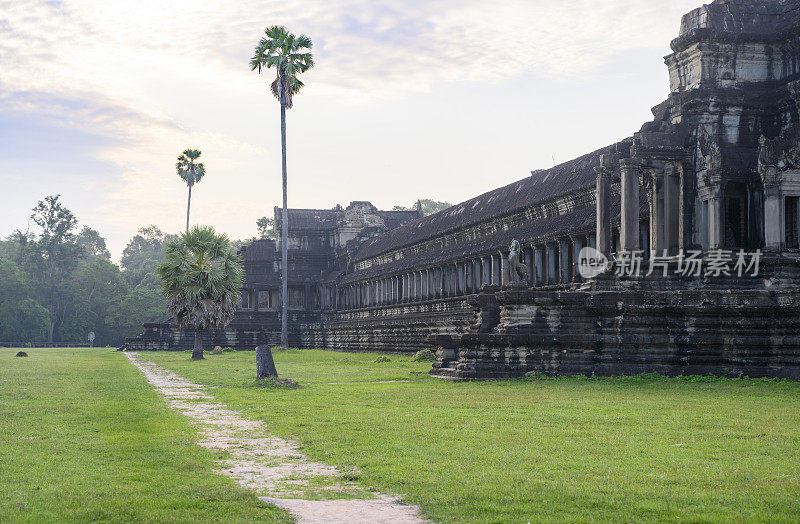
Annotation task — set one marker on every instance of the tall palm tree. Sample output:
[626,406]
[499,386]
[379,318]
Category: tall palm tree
[191,172]
[289,55]
[201,277]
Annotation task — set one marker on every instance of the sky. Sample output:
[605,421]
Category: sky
[407,100]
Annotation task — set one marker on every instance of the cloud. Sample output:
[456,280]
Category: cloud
[152,77]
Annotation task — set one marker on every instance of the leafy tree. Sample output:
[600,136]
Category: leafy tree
[14,245]
[142,304]
[55,256]
[426,206]
[13,282]
[97,289]
[23,322]
[143,254]
[191,172]
[266,228]
[56,285]
[289,55]
[93,244]
[201,277]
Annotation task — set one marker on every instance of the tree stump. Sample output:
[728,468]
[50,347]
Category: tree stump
[265,366]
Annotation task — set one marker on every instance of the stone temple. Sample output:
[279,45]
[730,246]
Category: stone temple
[716,173]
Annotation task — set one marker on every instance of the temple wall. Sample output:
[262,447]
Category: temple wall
[245,332]
[396,329]
[681,328]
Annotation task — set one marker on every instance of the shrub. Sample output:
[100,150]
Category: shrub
[21,354]
[426,355]
[276,383]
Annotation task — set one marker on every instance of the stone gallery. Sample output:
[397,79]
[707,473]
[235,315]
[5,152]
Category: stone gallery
[703,202]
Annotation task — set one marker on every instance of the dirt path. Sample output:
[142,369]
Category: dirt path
[270,466]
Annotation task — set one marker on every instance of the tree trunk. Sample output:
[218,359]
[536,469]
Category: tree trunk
[197,352]
[284,235]
[265,366]
[188,206]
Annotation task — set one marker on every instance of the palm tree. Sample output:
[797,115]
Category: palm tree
[191,172]
[289,55]
[201,277]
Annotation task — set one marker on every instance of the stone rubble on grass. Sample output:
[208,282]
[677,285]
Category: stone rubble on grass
[272,467]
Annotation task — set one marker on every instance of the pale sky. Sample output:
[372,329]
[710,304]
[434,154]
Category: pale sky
[428,99]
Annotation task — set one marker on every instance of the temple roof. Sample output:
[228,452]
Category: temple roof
[308,218]
[540,187]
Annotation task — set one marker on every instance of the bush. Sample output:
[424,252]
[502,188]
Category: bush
[21,354]
[426,355]
[276,383]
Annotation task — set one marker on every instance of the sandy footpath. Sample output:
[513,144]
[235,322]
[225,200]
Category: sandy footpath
[270,466]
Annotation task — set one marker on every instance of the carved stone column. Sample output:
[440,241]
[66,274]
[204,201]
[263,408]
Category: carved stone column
[773,209]
[716,235]
[629,228]
[603,192]
[503,268]
[552,263]
[577,244]
[538,266]
[565,271]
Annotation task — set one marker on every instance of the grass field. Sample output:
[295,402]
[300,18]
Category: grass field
[84,437]
[624,449]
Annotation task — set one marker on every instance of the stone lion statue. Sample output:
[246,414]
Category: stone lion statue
[517,270]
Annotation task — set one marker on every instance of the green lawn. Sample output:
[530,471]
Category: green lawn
[623,449]
[84,437]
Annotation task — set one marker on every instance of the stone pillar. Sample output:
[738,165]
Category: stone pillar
[629,230]
[577,245]
[716,234]
[672,208]
[564,258]
[538,266]
[603,212]
[552,263]
[529,264]
[503,268]
[774,213]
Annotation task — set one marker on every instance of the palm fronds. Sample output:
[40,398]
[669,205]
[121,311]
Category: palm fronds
[201,277]
[188,168]
[289,55]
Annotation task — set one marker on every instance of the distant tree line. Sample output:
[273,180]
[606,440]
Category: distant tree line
[58,283]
